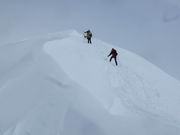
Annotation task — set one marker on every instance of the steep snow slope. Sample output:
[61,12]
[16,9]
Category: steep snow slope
[139,83]
[60,85]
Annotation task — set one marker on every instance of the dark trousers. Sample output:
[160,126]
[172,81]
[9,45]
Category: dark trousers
[114,59]
[89,40]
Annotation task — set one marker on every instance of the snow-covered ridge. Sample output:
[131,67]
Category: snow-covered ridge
[60,85]
[87,65]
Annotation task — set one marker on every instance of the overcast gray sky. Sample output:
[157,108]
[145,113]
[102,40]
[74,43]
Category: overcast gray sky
[147,27]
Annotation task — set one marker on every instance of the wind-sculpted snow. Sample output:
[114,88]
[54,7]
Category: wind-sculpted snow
[60,85]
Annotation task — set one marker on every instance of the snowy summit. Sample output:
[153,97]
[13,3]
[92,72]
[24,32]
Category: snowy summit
[60,85]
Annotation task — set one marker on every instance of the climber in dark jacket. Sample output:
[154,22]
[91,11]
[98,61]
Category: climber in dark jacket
[113,54]
[88,35]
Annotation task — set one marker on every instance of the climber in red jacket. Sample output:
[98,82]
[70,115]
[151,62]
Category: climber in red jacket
[113,54]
